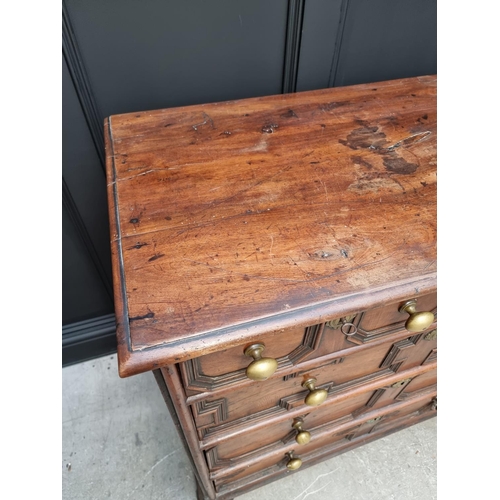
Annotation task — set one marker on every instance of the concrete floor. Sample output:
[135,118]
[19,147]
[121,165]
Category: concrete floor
[119,442]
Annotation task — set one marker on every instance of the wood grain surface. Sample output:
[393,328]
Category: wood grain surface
[237,218]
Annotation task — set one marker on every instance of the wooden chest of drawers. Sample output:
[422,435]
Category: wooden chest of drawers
[274,265]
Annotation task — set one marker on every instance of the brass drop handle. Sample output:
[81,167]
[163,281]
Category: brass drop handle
[293,463]
[303,436]
[260,368]
[315,396]
[346,326]
[418,321]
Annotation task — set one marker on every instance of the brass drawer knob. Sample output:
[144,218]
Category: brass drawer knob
[260,368]
[293,463]
[315,396]
[303,436]
[418,321]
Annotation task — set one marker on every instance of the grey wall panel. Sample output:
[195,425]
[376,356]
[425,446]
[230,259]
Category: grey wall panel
[387,39]
[83,293]
[143,55]
[292,46]
[319,34]
[84,175]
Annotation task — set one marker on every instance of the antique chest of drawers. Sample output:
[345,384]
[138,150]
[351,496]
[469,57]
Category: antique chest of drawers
[274,265]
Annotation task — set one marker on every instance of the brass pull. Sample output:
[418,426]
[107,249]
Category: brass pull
[335,323]
[293,463]
[346,325]
[260,368]
[418,321]
[315,396]
[303,436]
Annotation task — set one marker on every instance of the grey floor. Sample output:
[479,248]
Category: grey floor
[119,443]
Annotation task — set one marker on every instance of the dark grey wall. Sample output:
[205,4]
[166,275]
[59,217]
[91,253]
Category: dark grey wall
[143,55]
[386,39]
[128,55]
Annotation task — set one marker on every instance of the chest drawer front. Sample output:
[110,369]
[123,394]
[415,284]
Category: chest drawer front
[332,437]
[389,315]
[280,394]
[377,322]
[228,367]
[292,346]
[342,411]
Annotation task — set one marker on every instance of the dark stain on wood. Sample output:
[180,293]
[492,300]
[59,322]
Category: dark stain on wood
[138,245]
[357,160]
[144,316]
[399,165]
[289,114]
[157,256]
[365,138]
